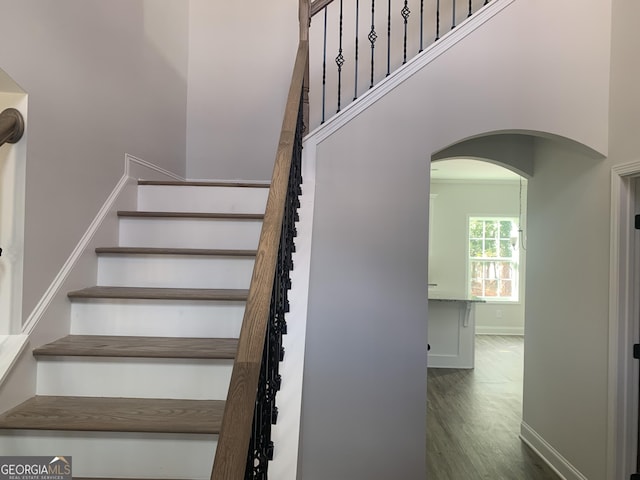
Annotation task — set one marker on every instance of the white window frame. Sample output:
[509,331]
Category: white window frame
[515,259]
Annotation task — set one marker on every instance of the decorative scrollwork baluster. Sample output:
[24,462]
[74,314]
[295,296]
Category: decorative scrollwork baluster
[261,448]
[405,12]
[373,36]
[340,60]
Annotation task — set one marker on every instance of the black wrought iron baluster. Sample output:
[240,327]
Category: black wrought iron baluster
[340,60]
[389,38]
[324,66]
[261,448]
[486,2]
[453,14]
[437,19]
[373,36]
[470,9]
[355,88]
[421,26]
[405,12]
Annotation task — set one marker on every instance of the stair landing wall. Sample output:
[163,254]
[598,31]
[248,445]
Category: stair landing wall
[535,67]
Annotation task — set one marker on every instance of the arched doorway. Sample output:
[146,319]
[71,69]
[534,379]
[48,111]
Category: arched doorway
[477,251]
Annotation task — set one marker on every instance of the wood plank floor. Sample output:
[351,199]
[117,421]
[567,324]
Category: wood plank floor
[473,418]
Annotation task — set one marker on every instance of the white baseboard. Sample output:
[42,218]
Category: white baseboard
[501,330]
[548,454]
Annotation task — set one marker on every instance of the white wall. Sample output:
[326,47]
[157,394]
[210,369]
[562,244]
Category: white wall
[569,195]
[241,56]
[101,82]
[456,201]
[566,333]
[537,66]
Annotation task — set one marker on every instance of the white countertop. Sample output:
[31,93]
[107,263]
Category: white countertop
[439,298]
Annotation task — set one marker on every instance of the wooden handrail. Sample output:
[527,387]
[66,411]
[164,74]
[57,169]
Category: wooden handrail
[233,441]
[318,5]
[11,126]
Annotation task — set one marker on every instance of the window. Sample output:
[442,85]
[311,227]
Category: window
[493,258]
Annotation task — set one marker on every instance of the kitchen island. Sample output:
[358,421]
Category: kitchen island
[451,332]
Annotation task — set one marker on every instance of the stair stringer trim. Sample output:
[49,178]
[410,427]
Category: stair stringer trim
[548,454]
[286,432]
[134,168]
[406,71]
[79,269]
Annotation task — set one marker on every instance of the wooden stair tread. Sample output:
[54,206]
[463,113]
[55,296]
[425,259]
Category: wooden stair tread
[200,215]
[146,347]
[175,251]
[148,293]
[115,415]
[187,183]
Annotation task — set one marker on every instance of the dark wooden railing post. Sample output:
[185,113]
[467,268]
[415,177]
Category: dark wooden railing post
[11,126]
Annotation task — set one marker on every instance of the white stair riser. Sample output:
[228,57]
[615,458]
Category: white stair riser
[189,233]
[134,377]
[124,455]
[171,198]
[157,318]
[176,271]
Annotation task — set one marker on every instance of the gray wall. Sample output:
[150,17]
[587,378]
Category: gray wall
[241,56]
[364,402]
[364,391]
[103,79]
[566,331]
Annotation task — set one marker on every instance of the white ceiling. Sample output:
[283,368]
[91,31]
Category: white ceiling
[463,169]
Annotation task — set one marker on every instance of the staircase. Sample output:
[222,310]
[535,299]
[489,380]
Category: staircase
[137,389]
